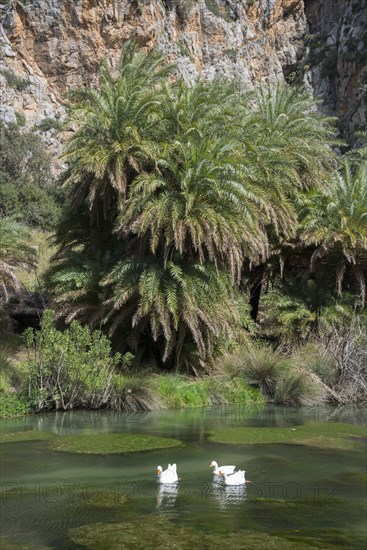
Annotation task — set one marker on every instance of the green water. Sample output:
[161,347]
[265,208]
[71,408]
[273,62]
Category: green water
[304,494]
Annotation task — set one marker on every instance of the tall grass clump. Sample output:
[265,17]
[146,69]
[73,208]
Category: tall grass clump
[280,378]
[263,367]
[296,388]
[133,393]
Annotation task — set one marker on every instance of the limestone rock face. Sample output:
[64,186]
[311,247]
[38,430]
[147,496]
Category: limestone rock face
[50,46]
[337,51]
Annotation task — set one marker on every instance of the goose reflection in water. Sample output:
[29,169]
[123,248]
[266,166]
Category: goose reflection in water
[166,496]
[228,495]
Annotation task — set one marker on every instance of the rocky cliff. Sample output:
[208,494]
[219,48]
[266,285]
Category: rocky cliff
[49,46]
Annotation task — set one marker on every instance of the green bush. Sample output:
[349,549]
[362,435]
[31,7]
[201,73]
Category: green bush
[69,369]
[14,81]
[50,123]
[12,404]
[27,191]
[177,391]
[287,316]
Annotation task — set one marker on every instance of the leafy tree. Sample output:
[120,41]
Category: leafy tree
[27,192]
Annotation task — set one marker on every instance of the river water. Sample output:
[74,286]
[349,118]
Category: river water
[317,495]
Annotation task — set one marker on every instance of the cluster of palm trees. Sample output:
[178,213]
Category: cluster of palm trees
[184,200]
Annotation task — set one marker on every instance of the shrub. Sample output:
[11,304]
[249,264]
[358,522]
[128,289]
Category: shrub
[12,404]
[181,392]
[50,123]
[232,390]
[14,81]
[27,191]
[69,369]
[342,340]
[182,7]
[178,391]
[287,316]
[311,357]
[21,120]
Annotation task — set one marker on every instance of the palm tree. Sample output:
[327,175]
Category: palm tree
[175,303]
[335,222]
[287,151]
[193,221]
[195,204]
[15,254]
[116,129]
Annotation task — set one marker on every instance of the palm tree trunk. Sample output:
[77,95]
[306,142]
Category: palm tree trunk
[255,291]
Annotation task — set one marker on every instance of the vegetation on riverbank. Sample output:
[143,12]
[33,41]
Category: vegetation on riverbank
[197,220]
[75,368]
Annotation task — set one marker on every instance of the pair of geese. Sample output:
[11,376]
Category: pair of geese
[230,476]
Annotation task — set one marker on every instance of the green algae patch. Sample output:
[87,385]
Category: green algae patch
[28,435]
[5,545]
[323,435]
[112,443]
[155,531]
[328,538]
[94,443]
[108,499]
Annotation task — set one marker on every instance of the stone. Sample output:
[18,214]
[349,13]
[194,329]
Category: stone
[58,45]
[7,115]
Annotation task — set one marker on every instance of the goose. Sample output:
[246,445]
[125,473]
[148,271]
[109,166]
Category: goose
[223,469]
[169,475]
[237,478]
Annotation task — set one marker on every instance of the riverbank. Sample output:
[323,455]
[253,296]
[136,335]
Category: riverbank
[163,391]
[50,369]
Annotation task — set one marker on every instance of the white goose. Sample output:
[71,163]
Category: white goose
[237,478]
[223,469]
[169,475]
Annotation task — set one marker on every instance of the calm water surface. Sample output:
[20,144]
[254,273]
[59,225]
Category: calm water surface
[295,491]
